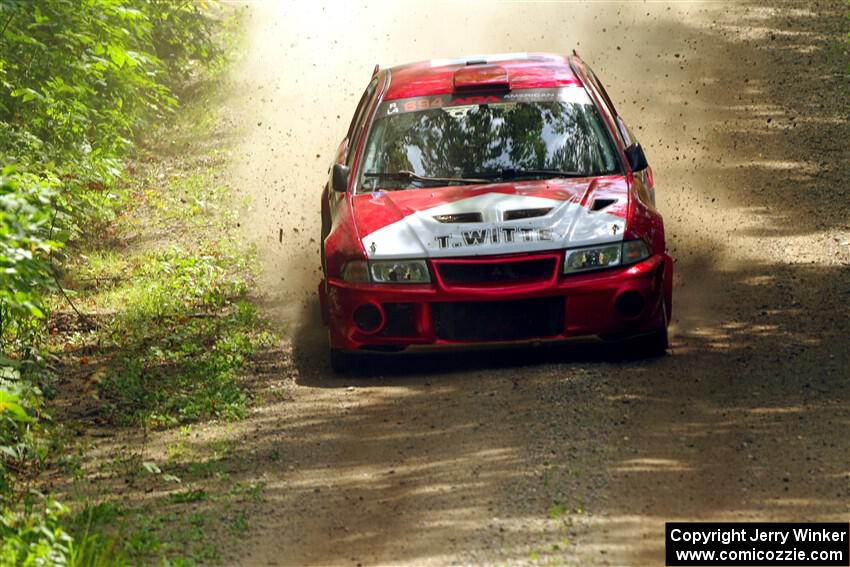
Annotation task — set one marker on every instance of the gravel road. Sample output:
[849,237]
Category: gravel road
[566,455]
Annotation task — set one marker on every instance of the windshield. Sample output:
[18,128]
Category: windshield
[450,143]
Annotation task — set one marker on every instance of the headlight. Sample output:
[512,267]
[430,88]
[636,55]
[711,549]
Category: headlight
[598,257]
[400,271]
[582,259]
[356,271]
[634,251]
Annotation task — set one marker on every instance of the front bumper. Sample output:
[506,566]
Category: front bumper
[616,302]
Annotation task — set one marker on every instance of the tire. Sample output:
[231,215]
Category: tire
[342,362]
[657,342]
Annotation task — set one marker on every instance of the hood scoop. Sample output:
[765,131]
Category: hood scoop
[526,213]
[459,218]
[599,204]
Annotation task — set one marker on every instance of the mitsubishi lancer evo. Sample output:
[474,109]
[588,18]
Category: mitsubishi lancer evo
[491,199]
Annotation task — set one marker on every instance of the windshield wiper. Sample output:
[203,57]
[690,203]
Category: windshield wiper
[409,177]
[517,173]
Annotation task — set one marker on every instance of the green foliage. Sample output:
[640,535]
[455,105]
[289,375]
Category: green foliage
[187,496]
[78,80]
[34,536]
[26,243]
[181,34]
[184,335]
[91,545]
[556,510]
[18,442]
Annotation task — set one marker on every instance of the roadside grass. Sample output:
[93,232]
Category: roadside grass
[172,347]
[148,326]
[184,527]
[166,340]
[177,328]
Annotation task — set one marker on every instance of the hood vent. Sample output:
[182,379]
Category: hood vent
[599,204]
[526,213]
[458,218]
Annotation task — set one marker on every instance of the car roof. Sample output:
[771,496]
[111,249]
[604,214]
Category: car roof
[524,70]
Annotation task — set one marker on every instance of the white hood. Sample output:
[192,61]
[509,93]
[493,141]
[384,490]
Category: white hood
[566,224]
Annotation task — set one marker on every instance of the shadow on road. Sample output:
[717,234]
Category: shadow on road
[500,455]
[429,363]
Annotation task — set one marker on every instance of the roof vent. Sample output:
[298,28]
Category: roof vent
[599,204]
[525,213]
[458,218]
[477,77]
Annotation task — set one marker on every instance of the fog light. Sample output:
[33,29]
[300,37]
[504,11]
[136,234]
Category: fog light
[629,304]
[368,318]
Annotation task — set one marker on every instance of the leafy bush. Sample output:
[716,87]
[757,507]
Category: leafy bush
[34,535]
[27,241]
[78,80]
[25,274]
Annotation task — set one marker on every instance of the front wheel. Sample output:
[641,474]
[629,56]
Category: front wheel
[342,362]
[658,341]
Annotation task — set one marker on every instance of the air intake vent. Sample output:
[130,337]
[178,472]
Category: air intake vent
[526,213]
[458,218]
[600,204]
[490,273]
[498,320]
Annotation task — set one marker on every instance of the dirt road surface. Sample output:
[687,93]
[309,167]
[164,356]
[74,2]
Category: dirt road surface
[566,455]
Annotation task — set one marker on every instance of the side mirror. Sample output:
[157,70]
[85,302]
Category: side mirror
[636,157]
[339,177]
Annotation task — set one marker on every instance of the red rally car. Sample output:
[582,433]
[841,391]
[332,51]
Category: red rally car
[488,199]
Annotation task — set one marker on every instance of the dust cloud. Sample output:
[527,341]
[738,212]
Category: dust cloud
[739,424]
[307,64]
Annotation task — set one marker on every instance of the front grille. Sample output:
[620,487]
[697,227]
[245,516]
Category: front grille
[399,320]
[523,271]
[498,320]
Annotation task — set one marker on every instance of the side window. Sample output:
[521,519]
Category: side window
[628,137]
[626,133]
[599,87]
[607,106]
[356,126]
